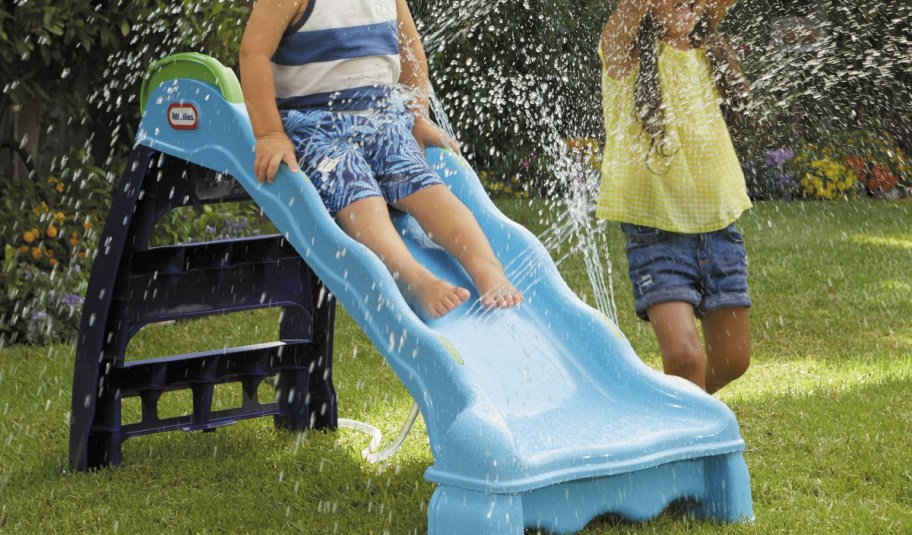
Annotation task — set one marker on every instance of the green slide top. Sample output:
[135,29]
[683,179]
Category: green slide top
[195,66]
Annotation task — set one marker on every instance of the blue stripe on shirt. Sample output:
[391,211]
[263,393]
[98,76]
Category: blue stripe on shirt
[301,48]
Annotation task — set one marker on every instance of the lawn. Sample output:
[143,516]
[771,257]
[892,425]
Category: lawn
[825,408]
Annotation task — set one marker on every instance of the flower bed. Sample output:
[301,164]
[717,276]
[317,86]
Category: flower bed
[858,163]
[49,228]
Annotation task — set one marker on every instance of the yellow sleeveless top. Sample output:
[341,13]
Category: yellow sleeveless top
[700,187]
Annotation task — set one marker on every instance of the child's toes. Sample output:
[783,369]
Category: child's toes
[516,296]
[463,295]
[512,298]
[450,303]
[489,300]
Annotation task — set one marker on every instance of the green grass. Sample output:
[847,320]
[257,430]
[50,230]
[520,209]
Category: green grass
[825,408]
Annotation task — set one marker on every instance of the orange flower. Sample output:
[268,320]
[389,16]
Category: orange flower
[856,163]
[59,187]
[59,216]
[52,231]
[74,241]
[54,261]
[23,248]
[882,179]
[86,224]
[36,253]
[28,237]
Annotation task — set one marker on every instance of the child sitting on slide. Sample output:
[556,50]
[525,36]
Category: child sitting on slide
[323,83]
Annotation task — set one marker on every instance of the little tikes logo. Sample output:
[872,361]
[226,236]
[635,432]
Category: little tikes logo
[183,116]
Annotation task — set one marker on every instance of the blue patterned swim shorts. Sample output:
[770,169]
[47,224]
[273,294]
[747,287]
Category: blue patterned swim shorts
[349,157]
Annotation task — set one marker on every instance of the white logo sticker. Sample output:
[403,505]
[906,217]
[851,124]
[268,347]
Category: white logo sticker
[183,116]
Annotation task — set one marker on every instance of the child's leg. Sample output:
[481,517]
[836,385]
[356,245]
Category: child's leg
[676,331]
[727,338]
[367,220]
[450,223]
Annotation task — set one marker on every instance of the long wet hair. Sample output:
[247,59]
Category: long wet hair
[726,72]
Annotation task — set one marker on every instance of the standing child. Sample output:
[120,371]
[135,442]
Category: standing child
[671,177]
[321,81]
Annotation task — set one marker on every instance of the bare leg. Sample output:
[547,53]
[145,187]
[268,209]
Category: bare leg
[727,338]
[676,330]
[368,221]
[450,223]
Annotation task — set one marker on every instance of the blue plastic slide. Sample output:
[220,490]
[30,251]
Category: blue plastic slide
[538,416]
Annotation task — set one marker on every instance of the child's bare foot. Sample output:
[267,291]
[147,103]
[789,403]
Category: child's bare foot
[435,297]
[496,291]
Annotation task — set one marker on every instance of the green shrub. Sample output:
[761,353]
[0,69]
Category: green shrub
[82,63]
[516,79]
[48,227]
[86,58]
[211,222]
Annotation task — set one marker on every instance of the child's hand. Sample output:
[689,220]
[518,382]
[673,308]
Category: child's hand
[271,151]
[428,135]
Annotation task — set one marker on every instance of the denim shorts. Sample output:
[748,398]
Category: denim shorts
[707,270]
[349,156]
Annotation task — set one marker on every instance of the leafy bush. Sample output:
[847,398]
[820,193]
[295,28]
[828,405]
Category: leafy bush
[515,79]
[852,75]
[57,53]
[211,222]
[83,61]
[39,306]
[48,228]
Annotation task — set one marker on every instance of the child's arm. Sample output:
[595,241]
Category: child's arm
[414,75]
[717,9]
[268,21]
[619,37]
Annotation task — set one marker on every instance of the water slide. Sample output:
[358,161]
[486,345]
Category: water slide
[537,416]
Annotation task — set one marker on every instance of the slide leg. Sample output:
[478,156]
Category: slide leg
[728,493]
[455,511]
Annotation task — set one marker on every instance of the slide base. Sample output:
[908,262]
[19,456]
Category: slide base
[714,488]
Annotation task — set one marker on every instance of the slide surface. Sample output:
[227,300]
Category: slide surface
[514,400]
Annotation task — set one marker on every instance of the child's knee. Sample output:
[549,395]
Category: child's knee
[684,359]
[731,367]
[739,366]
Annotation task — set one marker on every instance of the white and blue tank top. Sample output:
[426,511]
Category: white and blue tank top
[341,55]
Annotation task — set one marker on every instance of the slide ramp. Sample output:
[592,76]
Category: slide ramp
[538,416]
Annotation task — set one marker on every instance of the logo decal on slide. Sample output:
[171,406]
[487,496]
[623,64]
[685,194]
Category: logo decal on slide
[183,116]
